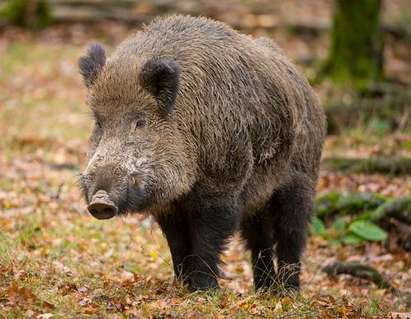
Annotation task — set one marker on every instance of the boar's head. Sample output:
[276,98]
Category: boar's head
[137,158]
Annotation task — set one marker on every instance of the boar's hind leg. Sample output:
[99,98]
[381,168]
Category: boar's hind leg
[257,231]
[175,228]
[211,222]
[291,206]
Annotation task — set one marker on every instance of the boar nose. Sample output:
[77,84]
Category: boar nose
[107,176]
[101,206]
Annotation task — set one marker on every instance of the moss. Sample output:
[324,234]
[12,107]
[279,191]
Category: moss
[26,13]
[394,165]
[398,207]
[334,203]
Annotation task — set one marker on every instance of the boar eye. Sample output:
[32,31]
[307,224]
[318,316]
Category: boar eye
[98,124]
[140,123]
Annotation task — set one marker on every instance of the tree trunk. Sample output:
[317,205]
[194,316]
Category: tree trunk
[26,13]
[356,52]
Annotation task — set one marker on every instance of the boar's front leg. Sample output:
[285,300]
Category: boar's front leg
[211,222]
[175,228]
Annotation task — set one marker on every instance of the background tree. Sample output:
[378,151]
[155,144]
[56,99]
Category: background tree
[356,52]
[26,13]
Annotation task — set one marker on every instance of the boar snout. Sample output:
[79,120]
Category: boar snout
[101,206]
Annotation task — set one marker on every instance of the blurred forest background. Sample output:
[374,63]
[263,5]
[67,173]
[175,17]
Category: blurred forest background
[56,261]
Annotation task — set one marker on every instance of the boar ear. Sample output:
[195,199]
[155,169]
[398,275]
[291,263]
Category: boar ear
[91,64]
[161,79]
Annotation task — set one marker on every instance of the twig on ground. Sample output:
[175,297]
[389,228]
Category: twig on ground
[360,271]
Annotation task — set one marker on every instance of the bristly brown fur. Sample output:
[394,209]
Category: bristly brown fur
[240,145]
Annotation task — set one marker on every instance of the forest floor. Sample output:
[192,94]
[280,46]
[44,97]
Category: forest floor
[56,261]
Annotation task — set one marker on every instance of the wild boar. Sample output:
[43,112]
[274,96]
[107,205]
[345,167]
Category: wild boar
[210,131]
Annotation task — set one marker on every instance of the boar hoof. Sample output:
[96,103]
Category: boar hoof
[203,284]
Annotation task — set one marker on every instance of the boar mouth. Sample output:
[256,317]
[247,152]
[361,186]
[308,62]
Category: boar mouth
[101,206]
